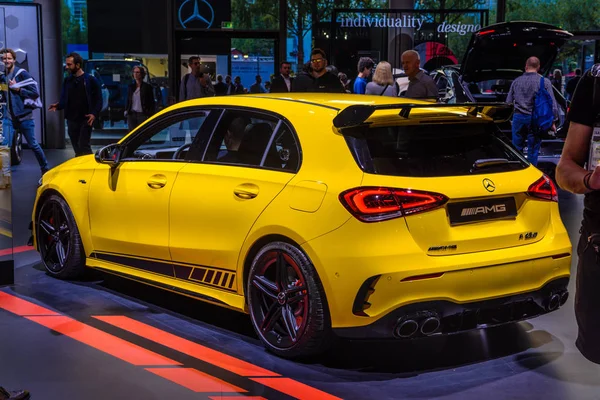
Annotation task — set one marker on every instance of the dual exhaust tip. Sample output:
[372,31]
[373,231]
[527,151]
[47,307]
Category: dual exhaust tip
[409,327]
[556,300]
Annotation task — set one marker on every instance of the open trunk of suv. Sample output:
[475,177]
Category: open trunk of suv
[457,187]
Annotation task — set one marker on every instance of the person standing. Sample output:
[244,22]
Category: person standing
[316,78]
[572,175]
[22,90]
[365,65]
[140,99]
[195,84]
[572,84]
[81,98]
[257,86]
[220,87]
[383,81]
[522,93]
[283,82]
[420,85]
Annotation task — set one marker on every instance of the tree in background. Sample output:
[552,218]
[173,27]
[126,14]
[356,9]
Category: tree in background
[264,14]
[72,31]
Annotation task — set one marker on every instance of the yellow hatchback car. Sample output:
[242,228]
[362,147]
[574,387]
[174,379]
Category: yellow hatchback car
[367,217]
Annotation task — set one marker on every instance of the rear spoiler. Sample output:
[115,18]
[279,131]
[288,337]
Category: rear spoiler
[356,115]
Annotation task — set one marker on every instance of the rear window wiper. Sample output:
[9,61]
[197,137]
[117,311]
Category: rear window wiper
[493,162]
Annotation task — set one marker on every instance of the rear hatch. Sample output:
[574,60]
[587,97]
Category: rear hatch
[458,187]
[498,51]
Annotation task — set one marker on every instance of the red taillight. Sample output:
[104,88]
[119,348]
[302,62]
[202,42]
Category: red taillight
[486,32]
[373,204]
[543,189]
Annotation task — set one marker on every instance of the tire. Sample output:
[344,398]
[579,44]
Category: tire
[306,331]
[58,239]
[16,149]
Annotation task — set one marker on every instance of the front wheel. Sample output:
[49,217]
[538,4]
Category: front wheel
[287,303]
[58,239]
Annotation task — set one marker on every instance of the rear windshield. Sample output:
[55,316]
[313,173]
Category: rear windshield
[431,150]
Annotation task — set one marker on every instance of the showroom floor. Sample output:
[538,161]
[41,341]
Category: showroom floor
[107,338]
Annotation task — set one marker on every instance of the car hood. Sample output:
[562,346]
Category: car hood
[504,48]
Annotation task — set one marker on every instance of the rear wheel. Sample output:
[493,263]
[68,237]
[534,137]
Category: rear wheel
[287,302]
[58,239]
[16,149]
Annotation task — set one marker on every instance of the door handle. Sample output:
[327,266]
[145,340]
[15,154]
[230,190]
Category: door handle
[246,191]
[157,181]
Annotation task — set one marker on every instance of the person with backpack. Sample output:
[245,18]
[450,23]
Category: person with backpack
[23,98]
[578,171]
[196,84]
[535,109]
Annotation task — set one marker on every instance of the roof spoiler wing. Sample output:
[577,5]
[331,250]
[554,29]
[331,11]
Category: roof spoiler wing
[356,115]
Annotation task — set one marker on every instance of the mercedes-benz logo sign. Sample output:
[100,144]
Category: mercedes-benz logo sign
[202,12]
[489,185]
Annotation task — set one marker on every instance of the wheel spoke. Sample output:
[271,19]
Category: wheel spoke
[56,216]
[267,287]
[295,299]
[289,322]
[60,252]
[47,227]
[295,290]
[51,249]
[281,272]
[271,317]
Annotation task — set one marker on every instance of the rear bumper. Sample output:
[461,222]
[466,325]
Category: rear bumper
[454,317]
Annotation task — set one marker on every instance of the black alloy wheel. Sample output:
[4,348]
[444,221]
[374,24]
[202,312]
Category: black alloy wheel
[58,239]
[16,149]
[286,302]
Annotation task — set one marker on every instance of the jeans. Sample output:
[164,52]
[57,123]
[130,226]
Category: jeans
[521,133]
[134,119]
[27,129]
[80,134]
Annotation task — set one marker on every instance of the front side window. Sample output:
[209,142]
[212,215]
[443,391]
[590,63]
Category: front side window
[169,140]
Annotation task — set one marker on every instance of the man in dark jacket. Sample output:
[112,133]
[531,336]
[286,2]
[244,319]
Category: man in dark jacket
[317,79]
[81,98]
[21,87]
[282,83]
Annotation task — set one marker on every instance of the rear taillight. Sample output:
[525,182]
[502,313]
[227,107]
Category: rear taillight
[543,189]
[373,204]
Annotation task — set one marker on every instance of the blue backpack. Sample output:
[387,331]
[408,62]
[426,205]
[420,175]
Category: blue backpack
[542,116]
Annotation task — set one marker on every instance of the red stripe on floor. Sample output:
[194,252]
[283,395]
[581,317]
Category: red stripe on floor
[102,341]
[190,348]
[22,307]
[294,388]
[15,250]
[195,380]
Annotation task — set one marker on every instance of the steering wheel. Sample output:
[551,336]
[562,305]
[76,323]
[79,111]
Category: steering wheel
[180,150]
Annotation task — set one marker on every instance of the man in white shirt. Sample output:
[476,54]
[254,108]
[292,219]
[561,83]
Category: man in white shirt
[283,82]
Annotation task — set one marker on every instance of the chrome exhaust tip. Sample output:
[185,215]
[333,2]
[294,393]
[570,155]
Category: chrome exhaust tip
[406,329]
[553,302]
[564,296]
[430,325]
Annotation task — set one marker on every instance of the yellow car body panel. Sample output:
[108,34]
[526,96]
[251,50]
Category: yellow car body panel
[201,219]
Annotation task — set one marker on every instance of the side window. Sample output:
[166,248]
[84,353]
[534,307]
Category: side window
[253,139]
[170,140]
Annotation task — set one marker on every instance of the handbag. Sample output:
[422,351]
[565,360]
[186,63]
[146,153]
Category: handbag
[28,103]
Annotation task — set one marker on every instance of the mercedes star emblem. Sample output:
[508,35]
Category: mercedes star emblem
[206,17]
[489,185]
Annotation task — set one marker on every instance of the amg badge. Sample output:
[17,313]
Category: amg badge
[443,248]
[528,236]
[496,208]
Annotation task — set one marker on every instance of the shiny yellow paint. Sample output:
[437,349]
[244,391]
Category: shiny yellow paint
[219,213]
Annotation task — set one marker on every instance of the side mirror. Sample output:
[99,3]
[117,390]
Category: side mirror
[110,155]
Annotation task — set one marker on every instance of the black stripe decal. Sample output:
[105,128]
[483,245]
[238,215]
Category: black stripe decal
[206,276]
